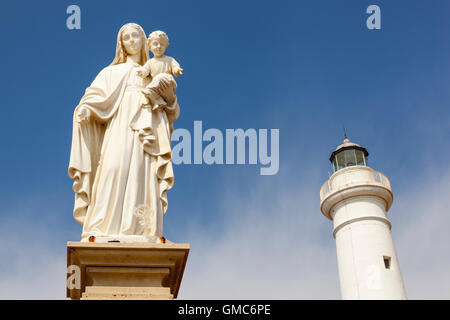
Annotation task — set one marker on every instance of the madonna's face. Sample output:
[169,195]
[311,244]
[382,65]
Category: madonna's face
[132,40]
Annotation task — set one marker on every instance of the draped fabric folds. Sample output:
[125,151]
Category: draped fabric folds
[121,161]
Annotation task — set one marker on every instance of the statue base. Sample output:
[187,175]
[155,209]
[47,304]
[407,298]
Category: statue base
[125,270]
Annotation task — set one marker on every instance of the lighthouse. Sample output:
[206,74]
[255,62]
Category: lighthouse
[357,198]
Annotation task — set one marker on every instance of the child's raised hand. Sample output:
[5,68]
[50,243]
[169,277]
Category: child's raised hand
[178,72]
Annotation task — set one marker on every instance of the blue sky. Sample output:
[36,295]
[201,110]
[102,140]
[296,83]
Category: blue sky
[304,67]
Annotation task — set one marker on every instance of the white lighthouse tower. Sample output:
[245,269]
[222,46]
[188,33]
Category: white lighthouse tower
[357,198]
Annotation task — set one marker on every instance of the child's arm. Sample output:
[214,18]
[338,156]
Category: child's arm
[144,71]
[176,69]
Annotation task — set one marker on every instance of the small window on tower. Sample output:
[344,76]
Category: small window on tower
[387,262]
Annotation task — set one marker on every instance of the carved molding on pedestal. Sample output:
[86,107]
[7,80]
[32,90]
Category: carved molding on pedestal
[127,270]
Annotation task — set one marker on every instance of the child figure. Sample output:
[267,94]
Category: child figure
[159,67]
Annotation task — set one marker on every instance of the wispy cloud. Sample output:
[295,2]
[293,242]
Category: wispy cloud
[274,244]
[271,248]
[423,239]
[286,251]
[31,265]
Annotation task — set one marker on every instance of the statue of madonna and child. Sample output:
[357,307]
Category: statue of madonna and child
[121,160]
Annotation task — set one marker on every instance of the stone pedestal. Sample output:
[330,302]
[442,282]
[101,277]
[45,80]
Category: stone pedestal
[125,270]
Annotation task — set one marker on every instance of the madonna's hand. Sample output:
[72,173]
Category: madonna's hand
[83,115]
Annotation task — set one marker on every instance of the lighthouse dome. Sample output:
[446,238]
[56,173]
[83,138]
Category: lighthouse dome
[348,154]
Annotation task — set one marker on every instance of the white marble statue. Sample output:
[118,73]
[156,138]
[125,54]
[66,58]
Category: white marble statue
[121,160]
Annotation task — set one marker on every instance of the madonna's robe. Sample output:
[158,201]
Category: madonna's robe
[120,160]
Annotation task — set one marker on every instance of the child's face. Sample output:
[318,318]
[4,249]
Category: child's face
[157,47]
